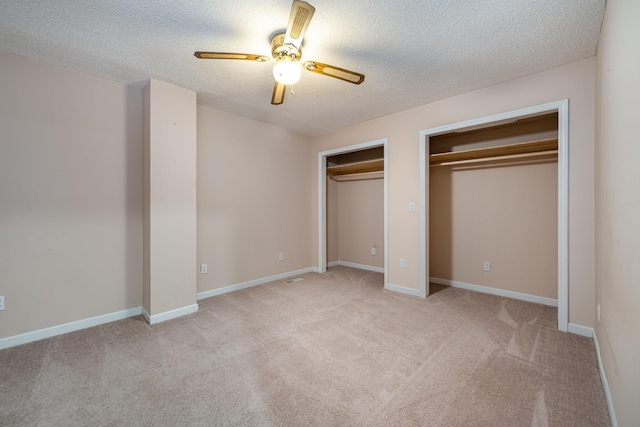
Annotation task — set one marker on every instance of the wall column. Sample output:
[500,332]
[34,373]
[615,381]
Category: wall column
[169,115]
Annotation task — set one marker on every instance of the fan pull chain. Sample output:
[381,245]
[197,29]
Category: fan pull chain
[292,92]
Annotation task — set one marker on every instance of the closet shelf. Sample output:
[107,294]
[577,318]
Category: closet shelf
[376,165]
[358,176]
[522,149]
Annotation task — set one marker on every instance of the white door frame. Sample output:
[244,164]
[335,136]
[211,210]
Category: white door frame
[322,201]
[562,107]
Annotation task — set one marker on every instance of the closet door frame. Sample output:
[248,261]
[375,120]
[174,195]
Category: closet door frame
[322,201]
[562,108]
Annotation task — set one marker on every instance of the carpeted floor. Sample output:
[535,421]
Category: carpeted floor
[332,350]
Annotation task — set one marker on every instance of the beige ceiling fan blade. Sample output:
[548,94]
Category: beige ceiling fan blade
[336,72]
[230,55]
[278,93]
[299,19]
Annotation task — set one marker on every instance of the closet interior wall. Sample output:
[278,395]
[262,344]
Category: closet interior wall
[504,212]
[355,215]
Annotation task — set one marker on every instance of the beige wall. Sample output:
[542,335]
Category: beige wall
[618,205]
[70,196]
[170,197]
[575,81]
[361,221]
[254,199]
[504,213]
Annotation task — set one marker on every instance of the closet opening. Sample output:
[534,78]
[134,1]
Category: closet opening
[494,208]
[352,207]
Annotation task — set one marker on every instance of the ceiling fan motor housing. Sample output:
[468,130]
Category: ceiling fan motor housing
[279,48]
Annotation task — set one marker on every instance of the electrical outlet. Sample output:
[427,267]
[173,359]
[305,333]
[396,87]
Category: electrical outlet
[486,266]
[2,303]
[412,206]
[281,256]
[203,269]
[373,250]
[403,263]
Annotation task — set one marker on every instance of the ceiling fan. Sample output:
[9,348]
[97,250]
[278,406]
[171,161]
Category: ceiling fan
[286,52]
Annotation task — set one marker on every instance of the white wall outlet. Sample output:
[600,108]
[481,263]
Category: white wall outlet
[486,266]
[281,256]
[412,206]
[373,250]
[2,305]
[403,263]
[598,311]
[203,268]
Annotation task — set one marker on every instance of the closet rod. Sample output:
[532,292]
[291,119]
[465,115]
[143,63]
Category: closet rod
[495,158]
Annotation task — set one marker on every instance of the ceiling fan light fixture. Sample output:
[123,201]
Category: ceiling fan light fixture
[287,71]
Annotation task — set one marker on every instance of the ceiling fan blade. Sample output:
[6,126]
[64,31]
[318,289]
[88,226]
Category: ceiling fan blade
[227,55]
[278,93]
[336,72]
[299,19]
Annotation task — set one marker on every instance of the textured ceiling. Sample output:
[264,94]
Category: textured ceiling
[412,52]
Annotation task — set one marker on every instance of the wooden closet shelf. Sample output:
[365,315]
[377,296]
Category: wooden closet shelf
[358,176]
[543,145]
[376,165]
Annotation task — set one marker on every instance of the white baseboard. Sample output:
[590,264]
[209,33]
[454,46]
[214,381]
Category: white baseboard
[585,331]
[67,327]
[137,311]
[359,266]
[168,315]
[251,283]
[605,382]
[404,290]
[333,263]
[494,291]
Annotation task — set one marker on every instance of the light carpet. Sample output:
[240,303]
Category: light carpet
[335,349]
